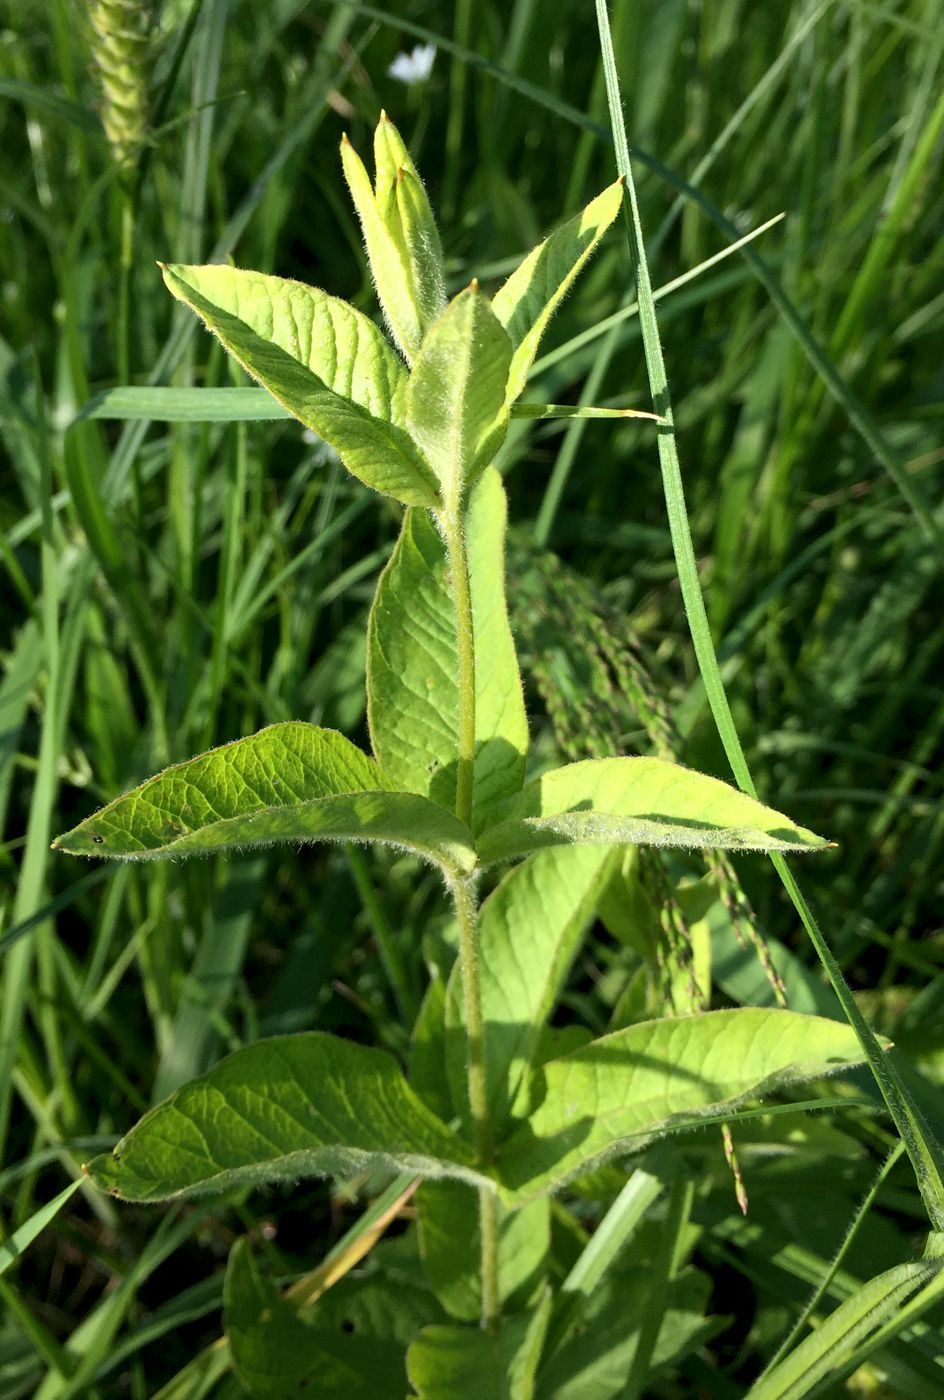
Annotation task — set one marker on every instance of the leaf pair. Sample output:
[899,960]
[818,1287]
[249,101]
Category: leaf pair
[314,1104]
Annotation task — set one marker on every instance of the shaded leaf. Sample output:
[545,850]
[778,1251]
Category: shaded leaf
[451,1249]
[292,1106]
[280,1356]
[326,363]
[290,782]
[465,1363]
[617,1093]
[638,801]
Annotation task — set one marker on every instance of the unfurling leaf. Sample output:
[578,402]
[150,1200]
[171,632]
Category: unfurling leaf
[400,235]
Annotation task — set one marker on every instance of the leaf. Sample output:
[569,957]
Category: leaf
[326,363]
[617,1093]
[451,1249]
[278,1356]
[596,1363]
[827,1352]
[290,782]
[533,292]
[465,1363]
[400,234]
[529,931]
[638,801]
[292,1106]
[412,694]
[455,398]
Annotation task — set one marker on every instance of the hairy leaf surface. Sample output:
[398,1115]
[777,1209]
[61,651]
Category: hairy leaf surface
[637,801]
[455,398]
[616,1093]
[292,1106]
[290,782]
[326,363]
[412,694]
[533,292]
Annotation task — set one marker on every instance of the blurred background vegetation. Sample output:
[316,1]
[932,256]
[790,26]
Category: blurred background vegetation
[168,587]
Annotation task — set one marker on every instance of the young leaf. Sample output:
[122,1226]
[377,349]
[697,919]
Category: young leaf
[400,235]
[293,1106]
[617,1093]
[639,801]
[326,363]
[455,398]
[535,289]
[451,1249]
[465,1363]
[290,782]
[279,1356]
[412,695]
[529,932]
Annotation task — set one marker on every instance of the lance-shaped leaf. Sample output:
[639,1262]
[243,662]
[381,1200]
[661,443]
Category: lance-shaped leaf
[617,1093]
[400,235]
[637,801]
[327,364]
[529,932]
[278,1355]
[455,398]
[289,782]
[293,1106]
[412,694]
[535,289]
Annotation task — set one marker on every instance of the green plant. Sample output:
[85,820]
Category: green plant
[496,1101]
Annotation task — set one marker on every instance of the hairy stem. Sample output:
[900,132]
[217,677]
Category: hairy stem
[463,893]
[465,662]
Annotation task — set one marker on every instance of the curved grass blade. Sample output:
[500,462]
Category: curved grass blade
[925,1152]
[290,782]
[829,1352]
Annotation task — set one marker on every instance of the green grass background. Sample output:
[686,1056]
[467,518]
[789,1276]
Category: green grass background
[167,587]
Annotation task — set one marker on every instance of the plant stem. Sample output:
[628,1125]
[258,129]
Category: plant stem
[463,893]
[465,661]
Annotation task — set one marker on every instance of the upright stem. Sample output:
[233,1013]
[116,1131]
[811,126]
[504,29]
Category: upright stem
[465,662]
[463,893]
